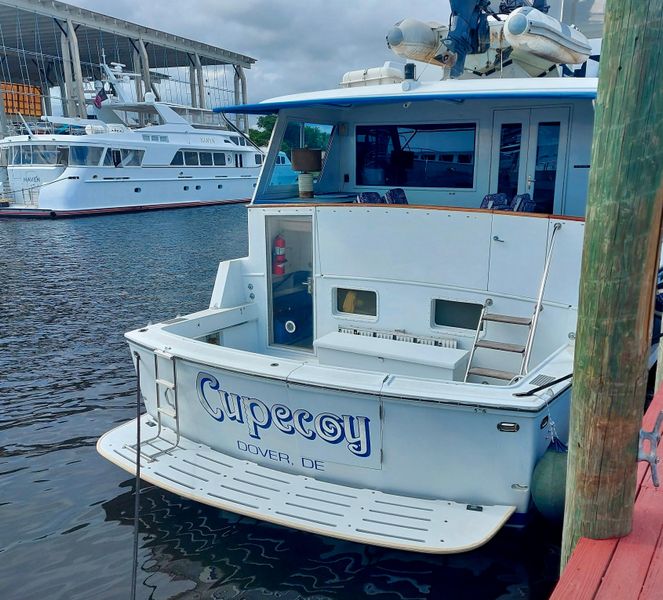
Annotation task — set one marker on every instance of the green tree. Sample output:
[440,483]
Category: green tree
[261,136]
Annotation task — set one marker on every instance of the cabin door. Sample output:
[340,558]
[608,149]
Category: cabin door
[290,243]
[529,155]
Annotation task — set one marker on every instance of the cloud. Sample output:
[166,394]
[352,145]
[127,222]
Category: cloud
[300,45]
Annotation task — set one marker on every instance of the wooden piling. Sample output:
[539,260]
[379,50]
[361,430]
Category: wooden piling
[620,259]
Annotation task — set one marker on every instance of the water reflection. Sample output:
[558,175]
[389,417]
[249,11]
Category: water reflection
[221,555]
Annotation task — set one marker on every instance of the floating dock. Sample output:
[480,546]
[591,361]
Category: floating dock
[628,568]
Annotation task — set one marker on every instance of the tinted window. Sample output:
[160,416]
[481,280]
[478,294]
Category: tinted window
[178,159]
[206,159]
[509,165]
[191,158]
[456,314]
[219,159]
[258,158]
[84,155]
[416,155]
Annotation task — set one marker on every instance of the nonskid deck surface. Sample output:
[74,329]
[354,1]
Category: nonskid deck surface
[366,516]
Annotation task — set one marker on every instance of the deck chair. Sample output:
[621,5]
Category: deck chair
[369,198]
[495,202]
[396,196]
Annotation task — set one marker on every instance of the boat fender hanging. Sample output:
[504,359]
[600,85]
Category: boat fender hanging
[278,255]
[549,482]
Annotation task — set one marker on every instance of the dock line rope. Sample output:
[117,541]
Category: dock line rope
[41,185]
[134,574]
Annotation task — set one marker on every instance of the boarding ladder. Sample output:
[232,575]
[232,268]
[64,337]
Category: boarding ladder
[165,389]
[529,322]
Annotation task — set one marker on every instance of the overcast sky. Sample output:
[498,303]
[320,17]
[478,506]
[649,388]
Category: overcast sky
[299,45]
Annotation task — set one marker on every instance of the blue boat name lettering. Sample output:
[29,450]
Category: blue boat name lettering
[328,427]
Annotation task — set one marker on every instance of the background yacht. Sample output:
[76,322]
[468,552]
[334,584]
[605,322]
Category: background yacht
[126,156]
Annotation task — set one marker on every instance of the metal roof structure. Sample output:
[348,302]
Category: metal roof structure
[30,30]
[47,45]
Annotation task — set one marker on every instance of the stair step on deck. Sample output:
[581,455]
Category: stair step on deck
[362,515]
[494,373]
[507,319]
[494,345]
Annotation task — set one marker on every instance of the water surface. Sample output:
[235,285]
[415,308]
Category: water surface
[69,289]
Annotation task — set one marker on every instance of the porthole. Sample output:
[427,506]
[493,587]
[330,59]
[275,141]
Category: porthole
[186,188]
[219,186]
[137,190]
[197,187]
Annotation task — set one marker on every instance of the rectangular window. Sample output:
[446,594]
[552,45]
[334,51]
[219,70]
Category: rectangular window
[178,159]
[547,147]
[509,165]
[449,313]
[85,155]
[44,155]
[131,158]
[258,158]
[356,302]
[429,155]
[219,159]
[191,159]
[206,159]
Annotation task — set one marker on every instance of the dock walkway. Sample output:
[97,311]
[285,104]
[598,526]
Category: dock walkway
[628,568]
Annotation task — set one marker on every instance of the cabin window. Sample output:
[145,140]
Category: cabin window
[205,159]
[85,155]
[131,158]
[258,158]
[547,148]
[356,302]
[123,157]
[449,313]
[219,159]
[178,159]
[426,155]
[191,159]
[44,155]
[509,164]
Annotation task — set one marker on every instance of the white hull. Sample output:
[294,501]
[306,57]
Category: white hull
[73,190]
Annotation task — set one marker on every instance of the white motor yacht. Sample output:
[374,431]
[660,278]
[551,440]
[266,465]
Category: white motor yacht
[130,156]
[394,356]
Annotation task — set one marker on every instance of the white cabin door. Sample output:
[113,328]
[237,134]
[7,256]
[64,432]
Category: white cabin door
[529,155]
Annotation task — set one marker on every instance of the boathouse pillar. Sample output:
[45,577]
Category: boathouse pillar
[67,93]
[201,81]
[619,265]
[78,74]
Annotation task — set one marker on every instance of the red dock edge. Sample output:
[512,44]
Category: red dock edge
[623,568]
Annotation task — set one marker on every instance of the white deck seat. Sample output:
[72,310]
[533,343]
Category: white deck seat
[391,356]
[366,516]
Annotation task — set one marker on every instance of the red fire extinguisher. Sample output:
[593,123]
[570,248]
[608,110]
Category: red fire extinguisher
[278,255]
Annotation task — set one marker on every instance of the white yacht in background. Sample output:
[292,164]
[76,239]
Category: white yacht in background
[394,355]
[130,156]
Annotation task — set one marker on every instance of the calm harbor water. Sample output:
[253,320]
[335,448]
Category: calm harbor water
[69,289]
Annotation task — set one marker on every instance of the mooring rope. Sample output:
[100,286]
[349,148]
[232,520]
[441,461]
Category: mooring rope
[134,575]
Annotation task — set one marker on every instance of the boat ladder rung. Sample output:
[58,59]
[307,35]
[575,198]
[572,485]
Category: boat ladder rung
[503,346]
[494,373]
[167,384]
[168,411]
[507,319]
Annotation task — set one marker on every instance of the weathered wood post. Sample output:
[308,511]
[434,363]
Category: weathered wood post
[623,229]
